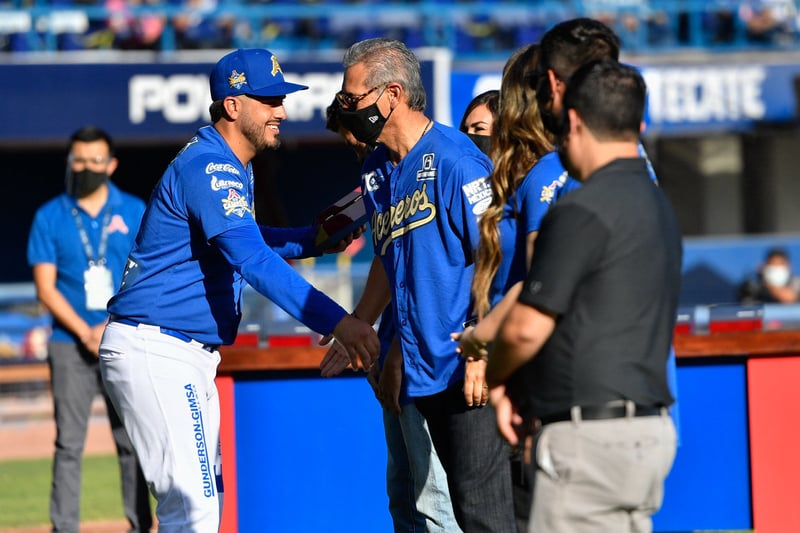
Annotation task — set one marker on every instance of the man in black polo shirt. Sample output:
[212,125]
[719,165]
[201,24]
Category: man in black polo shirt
[583,352]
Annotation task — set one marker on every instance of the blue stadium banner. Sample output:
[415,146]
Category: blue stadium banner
[727,93]
[156,100]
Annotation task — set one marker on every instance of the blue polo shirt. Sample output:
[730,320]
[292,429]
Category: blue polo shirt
[55,239]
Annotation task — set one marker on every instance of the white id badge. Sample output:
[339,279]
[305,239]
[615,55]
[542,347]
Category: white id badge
[99,287]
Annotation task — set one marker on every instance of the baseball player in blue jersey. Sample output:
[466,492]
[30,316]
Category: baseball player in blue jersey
[180,297]
[426,185]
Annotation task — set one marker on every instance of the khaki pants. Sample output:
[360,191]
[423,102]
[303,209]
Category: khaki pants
[601,476]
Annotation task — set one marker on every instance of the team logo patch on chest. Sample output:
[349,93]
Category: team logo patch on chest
[372,180]
[117,224]
[235,204]
[428,171]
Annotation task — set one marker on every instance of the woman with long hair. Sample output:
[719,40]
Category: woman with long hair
[527,178]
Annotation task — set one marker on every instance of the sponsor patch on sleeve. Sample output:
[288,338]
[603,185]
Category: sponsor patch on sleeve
[235,204]
[549,191]
[479,194]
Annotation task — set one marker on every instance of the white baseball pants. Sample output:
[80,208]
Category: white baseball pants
[163,390]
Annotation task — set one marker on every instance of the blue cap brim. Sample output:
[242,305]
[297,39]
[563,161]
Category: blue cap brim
[277,89]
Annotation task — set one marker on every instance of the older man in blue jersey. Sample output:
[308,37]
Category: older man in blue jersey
[425,187]
[180,296]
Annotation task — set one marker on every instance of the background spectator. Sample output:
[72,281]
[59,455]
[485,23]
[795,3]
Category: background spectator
[78,247]
[769,21]
[774,282]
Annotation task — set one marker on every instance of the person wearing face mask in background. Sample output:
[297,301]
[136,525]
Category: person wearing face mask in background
[774,282]
[478,119]
[77,248]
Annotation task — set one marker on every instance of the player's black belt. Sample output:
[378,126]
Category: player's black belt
[603,412]
[166,331]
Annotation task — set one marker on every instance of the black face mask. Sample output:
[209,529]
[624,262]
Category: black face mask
[365,124]
[84,182]
[483,142]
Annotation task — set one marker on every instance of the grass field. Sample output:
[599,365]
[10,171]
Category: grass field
[25,491]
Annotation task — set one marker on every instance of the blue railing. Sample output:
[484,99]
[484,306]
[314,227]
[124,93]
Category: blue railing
[469,28]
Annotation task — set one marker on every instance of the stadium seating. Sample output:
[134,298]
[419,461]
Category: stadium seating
[481,29]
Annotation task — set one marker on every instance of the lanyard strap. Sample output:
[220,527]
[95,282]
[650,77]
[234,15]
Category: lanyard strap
[87,245]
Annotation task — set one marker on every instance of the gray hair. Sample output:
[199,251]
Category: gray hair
[386,61]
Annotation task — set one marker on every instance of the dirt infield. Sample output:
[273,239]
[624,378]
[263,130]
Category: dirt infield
[27,429]
[119,526]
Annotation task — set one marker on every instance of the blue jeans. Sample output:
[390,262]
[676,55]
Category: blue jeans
[476,460]
[419,499]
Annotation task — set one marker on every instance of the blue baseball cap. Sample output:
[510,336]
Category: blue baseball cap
[253,71]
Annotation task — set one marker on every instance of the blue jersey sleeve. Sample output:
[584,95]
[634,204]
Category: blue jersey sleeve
[538,190]
[468,193]
[270,275]
[291,243]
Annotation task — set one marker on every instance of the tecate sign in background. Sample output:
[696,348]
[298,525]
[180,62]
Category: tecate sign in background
[689,99]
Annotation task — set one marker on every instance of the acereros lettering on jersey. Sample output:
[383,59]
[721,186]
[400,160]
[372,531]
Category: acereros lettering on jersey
[411,212]
[235,204]
[479,194]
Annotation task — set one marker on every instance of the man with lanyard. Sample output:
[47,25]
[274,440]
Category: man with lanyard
[77,248]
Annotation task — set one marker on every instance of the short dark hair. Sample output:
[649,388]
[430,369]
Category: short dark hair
[777,251]
[610,99]
[89,134]
[489,98]
[573,43]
